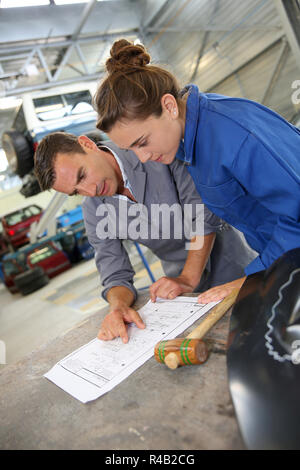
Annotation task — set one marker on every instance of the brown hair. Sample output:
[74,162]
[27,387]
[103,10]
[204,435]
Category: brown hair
[132,89]
[46,152]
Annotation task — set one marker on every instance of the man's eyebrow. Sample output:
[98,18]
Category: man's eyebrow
[79,176]
[80,172]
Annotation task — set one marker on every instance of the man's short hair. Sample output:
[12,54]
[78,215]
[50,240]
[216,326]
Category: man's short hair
[46,153]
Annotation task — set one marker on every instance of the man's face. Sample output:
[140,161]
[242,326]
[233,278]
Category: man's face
[93,173]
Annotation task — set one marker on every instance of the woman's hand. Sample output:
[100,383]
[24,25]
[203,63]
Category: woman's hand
[219,292]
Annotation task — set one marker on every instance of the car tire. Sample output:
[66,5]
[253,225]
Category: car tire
[31,280]
[38,284]
[30,185]
[30,275]
[19,152]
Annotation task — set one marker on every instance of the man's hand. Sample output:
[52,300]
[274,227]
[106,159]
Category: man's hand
[219,292]
[169,287]
[114,324]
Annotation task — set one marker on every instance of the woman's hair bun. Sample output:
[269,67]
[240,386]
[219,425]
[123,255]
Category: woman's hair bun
[125,56]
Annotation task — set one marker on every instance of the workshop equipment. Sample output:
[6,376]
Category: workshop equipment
[263,356]
[192,350]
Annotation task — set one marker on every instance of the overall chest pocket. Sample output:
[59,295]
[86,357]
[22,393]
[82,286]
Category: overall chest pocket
[221,195]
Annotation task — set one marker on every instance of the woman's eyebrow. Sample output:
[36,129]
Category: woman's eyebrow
[136,141]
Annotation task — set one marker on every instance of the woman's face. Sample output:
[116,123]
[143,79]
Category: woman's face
[155,138]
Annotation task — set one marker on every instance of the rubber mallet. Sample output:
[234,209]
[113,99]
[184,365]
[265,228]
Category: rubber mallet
[192,350]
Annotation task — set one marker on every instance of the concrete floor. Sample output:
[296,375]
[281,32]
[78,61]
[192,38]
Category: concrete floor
[155,408]
[28,322]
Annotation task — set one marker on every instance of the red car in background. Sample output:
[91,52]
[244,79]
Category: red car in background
[26,272]
[16,225]
[50,258]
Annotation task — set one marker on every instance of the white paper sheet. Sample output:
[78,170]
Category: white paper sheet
[99,366]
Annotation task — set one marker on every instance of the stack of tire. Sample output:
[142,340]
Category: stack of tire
[85,249]
[19,151]
[31,280]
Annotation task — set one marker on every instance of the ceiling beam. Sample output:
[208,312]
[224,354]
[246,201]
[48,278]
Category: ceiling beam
[248,62]
[45,86]
[277,69]
[157,14]
[37,49]
[44,65]
[204,43]
[64,59]
[289,13]
[214,27]
[81,58]
[86,13]
[67,42]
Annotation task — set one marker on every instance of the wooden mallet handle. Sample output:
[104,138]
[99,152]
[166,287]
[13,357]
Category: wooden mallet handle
[215,314]
[212,318]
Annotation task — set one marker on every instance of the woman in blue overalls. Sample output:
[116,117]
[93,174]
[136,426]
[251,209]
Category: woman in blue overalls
[243,157]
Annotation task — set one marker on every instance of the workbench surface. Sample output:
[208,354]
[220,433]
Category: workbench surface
[154,408]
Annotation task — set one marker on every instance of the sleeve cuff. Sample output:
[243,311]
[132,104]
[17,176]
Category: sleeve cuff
[116,284]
